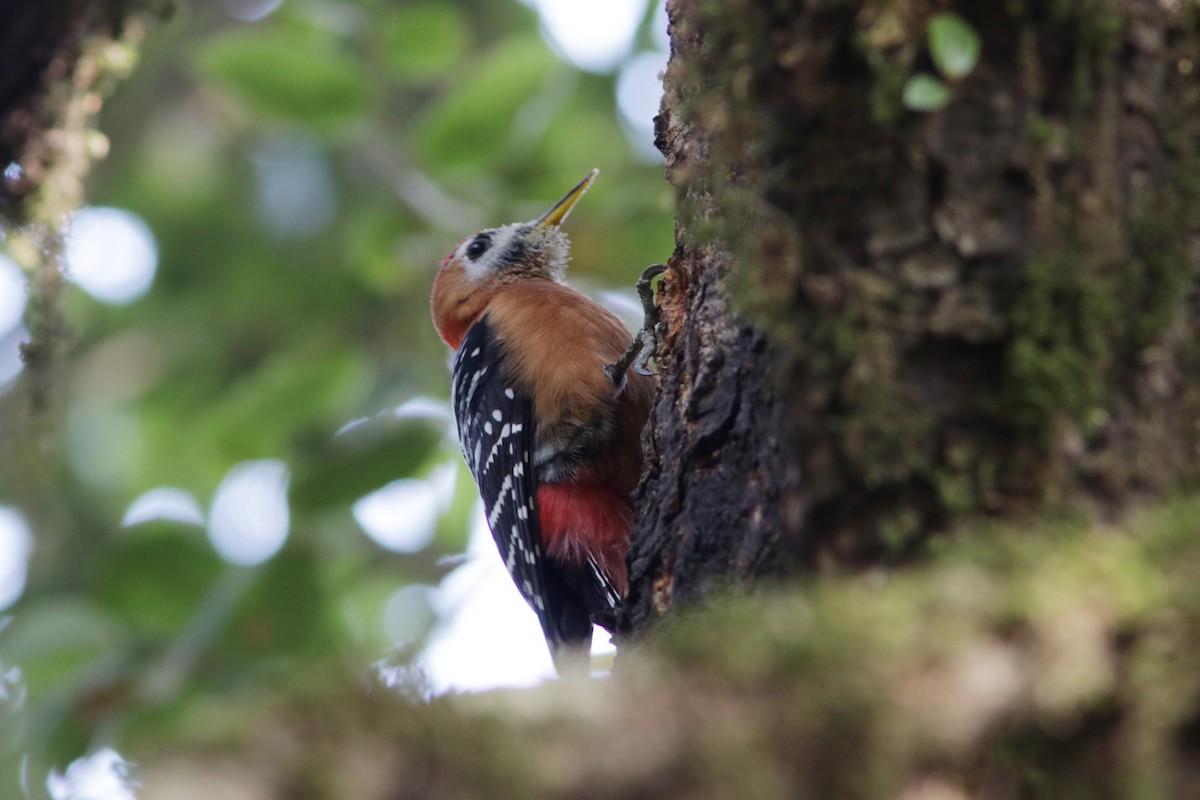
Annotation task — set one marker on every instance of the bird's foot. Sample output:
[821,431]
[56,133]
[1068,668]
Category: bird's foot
[642,348]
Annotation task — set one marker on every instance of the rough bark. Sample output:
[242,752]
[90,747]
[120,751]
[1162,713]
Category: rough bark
[986,310]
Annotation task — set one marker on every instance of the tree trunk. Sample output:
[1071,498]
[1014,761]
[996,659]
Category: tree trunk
[879,323]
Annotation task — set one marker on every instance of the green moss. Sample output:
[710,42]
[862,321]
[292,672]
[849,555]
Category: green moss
[1060,352]
[1041,132]
[1102,24]
[1098,27]
[1051,658]
[900,530]
[1038,345]
[1038,611]
[889,47]
[1159,274]
[955,490]
[849,635]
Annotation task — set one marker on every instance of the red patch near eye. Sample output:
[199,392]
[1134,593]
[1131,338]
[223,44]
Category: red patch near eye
[446,260]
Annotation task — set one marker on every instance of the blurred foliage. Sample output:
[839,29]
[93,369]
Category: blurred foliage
[303,174]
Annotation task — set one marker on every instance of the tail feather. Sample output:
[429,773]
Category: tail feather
[578,595]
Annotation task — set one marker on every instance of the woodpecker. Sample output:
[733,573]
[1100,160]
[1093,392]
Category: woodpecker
[549,418]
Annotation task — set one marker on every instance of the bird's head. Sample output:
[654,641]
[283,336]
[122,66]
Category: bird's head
[482,263]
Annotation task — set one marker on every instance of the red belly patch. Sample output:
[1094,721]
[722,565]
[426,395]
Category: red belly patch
[586,520]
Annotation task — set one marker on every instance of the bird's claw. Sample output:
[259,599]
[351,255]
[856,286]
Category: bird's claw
[642,348]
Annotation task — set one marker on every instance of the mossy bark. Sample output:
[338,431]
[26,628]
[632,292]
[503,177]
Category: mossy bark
[1061,661]
[879,323]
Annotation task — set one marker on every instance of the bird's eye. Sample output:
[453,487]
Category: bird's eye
[478,246]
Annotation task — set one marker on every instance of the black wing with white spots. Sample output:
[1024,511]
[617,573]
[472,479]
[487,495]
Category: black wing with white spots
[496,432]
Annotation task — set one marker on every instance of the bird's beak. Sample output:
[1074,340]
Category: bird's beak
[558,214]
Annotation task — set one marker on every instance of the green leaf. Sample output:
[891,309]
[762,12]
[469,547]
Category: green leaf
[472,124]
[284,614]
[954,45]
[155,576]
[422,41]
[59,641]
[295,390]
[364,459]
[925,93]
[288,74]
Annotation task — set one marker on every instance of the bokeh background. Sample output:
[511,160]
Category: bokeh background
[247,480]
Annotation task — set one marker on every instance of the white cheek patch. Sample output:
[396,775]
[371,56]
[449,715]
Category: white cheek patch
[487,263]
[476,270]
